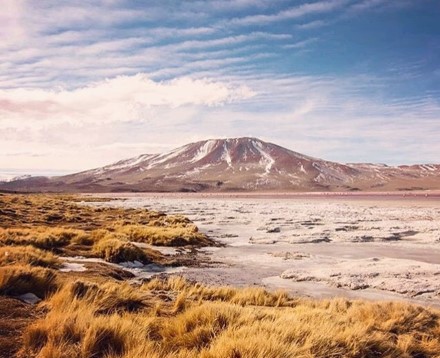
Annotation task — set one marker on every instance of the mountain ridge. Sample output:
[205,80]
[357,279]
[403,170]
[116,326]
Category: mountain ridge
[235,164]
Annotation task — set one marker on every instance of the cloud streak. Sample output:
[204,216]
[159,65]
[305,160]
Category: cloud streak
[291,13]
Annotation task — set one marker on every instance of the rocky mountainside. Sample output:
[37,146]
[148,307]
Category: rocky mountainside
[238,164]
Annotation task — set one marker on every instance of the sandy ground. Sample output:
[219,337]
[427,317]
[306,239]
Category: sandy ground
[383,246]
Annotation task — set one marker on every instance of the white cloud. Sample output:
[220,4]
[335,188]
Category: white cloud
[124,98]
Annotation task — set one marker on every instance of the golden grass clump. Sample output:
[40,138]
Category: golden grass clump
[171,221]
[255,296]
[89,321]
[106,298]
[19,279]
[46,238]
[116,250]
[174,318]
[27,255]
[165,236]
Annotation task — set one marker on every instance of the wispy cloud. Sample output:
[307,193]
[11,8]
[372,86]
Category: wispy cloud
[301,44]
[225,41]
[367,4]
[291,13]
[312,25]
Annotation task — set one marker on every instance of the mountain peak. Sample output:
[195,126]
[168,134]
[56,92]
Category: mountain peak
[229,141]
[244,163]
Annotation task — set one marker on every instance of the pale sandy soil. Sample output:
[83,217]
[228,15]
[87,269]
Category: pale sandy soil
[383,246]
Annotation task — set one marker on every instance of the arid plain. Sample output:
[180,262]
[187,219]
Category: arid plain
[353,245]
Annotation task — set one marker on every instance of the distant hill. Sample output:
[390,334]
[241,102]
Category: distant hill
[236,164]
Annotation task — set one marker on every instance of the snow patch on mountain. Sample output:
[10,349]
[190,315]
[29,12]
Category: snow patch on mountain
[428,167]
[196,171]
[10,178]
[266,159]
[226,156]
[162,158]
[124,164]
[204,150]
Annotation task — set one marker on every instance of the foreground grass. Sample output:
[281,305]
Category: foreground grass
[175,318]
[89,316]
[37,231]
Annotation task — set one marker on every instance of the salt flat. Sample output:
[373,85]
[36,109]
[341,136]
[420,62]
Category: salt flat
[359,247]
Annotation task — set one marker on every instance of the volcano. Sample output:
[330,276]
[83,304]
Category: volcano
[235,164]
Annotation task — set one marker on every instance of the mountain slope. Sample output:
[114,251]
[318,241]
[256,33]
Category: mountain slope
[236,164]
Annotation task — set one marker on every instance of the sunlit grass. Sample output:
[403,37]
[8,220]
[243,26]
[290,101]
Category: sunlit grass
[13,255]
[187,320]
[165,236]
[42,237]
[20,279]
[116,250]
[50,221]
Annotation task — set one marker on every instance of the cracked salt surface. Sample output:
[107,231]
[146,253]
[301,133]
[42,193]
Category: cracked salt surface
[366,248]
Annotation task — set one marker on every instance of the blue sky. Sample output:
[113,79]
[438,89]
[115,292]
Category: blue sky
[83,85]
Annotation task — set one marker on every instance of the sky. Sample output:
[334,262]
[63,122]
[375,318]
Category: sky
[87,83]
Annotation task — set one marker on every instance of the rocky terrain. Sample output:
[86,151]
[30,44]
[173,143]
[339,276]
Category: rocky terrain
[240,164]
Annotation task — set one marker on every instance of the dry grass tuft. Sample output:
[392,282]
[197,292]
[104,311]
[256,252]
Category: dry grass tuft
[102,340]
[40,237]
[115,250]
[15,316]
[166,236]
[252,296]
[17,280]
[104,299]
[27,255]
[84,318]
